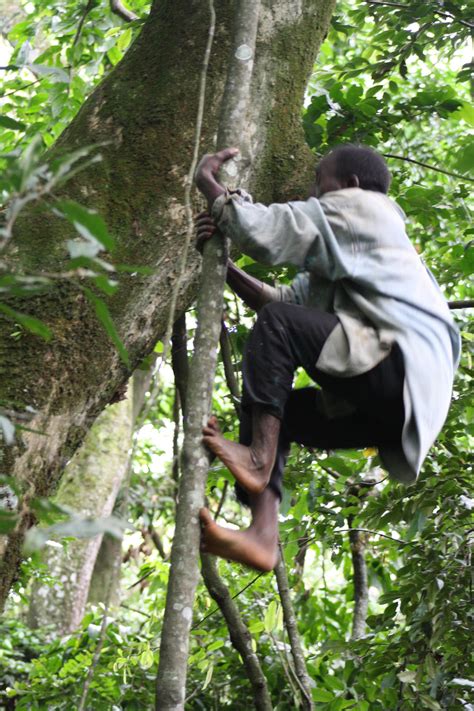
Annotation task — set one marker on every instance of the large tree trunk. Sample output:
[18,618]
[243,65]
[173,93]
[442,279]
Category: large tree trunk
[145,112]
[89,486]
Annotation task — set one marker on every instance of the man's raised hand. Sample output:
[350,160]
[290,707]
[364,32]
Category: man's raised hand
[209,166]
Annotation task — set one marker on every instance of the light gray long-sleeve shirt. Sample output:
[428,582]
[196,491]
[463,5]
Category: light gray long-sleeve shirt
[356,261]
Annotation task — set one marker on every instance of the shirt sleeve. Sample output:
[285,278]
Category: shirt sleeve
[282,292]
[276,234]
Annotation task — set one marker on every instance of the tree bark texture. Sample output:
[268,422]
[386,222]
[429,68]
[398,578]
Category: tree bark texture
[291,626]
[89,487]
[358,542]
[238,631]
[144,114]
[105,579]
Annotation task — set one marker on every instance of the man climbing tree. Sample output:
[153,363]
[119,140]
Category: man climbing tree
[363,317]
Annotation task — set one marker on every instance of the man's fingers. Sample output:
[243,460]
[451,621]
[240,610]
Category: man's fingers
[226,154]
[204,236]
[205,223]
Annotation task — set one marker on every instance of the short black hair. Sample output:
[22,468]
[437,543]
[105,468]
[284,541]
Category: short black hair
[356,159]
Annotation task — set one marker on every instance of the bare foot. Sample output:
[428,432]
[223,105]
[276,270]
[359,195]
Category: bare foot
[247,547]
[250,470]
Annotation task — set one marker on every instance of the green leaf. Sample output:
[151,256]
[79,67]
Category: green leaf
[30,323]
[8,122]
[429,703]
[407,677]
[208,678]
[270,619]
[146,659]
[216,645]
[465,159]
[105,318]
[89,224]
[124,39]
[322,695]
[465,113]
[55,73]
[115,55]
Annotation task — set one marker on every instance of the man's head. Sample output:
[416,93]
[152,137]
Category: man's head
[352,166]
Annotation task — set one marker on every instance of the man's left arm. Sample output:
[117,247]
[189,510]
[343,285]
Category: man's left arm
[281,233]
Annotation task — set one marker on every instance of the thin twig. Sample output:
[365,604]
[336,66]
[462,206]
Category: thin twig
[222,500]
[20,88]
[157,542]
[87,10]
[430,167]
[254,580]
[134,609]
[118,9]
[301,673]
[286,668]
[376,533]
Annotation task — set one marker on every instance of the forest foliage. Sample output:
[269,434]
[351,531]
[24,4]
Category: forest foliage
[392,75]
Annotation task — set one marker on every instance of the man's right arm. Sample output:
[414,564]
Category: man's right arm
[250,290]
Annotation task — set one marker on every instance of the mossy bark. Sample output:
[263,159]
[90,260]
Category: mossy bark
[144,113]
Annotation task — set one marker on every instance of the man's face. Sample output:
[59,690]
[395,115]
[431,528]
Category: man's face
[326,180]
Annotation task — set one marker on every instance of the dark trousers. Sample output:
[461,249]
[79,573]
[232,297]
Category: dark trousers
[287,336]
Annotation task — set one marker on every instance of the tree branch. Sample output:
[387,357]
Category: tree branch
[405,6]
[229,371]
[242,590]
[222,500]
[358,542]
[179,358]
[376,533]
[239,634]
[118,9]
[430,167]
[176,420]
[468,304]
[157,542]
[20,88]
[293,634]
